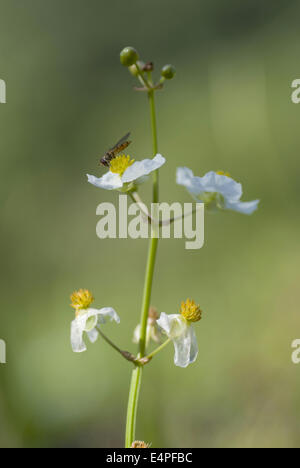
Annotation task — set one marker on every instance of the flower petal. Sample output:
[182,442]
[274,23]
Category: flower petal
[183,336]
[185,177]
[141,168]
[155,333]
[186,348]
[107,313]
[210,182]
[228,189]
[226,186]
[78,326]
[93,335]
[194,345]
[141,180]
[137,334]
[77,342]
[108,181]
[81,324]
[173,325]
[242,207]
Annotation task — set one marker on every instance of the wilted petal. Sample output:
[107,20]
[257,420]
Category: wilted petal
[79,325]
[173,325]
[109,181]
[183,337]
[77,342]
[142,168]
[194,345]
[84,323]
[186,348]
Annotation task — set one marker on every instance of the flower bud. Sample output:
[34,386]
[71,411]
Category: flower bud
[168,72]
[129,56]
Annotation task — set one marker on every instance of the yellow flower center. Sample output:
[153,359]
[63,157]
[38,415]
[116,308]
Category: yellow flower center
[191,311]
[223,173]
[81,299]
[119,164]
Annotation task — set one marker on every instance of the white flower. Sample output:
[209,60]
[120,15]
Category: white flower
[215,190]
[124,172]
[181,332]
[86,321]
[178,328]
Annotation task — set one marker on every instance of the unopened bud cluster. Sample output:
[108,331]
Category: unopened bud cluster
[129,57]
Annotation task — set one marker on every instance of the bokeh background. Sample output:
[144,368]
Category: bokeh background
[68,99]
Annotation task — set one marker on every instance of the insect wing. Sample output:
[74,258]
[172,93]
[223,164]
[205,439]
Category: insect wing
[120,142]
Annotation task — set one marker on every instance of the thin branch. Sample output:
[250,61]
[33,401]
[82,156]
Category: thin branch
[126,354]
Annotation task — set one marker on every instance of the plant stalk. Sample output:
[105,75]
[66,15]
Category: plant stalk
[137,372]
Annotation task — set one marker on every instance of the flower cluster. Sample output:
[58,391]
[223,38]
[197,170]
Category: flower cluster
[218,191]
[177,327]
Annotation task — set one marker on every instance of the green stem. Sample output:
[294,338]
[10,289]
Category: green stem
[155,143]
[154,240]
[137,372]
[132,405]
[147,294]
[157,350]
[141,77]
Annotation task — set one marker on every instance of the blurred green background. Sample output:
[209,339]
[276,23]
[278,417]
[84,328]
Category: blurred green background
[68,99]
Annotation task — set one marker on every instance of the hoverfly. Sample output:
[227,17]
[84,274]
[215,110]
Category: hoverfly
[115,150]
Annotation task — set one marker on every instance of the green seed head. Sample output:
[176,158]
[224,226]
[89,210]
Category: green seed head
[129,56]
[168,72]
